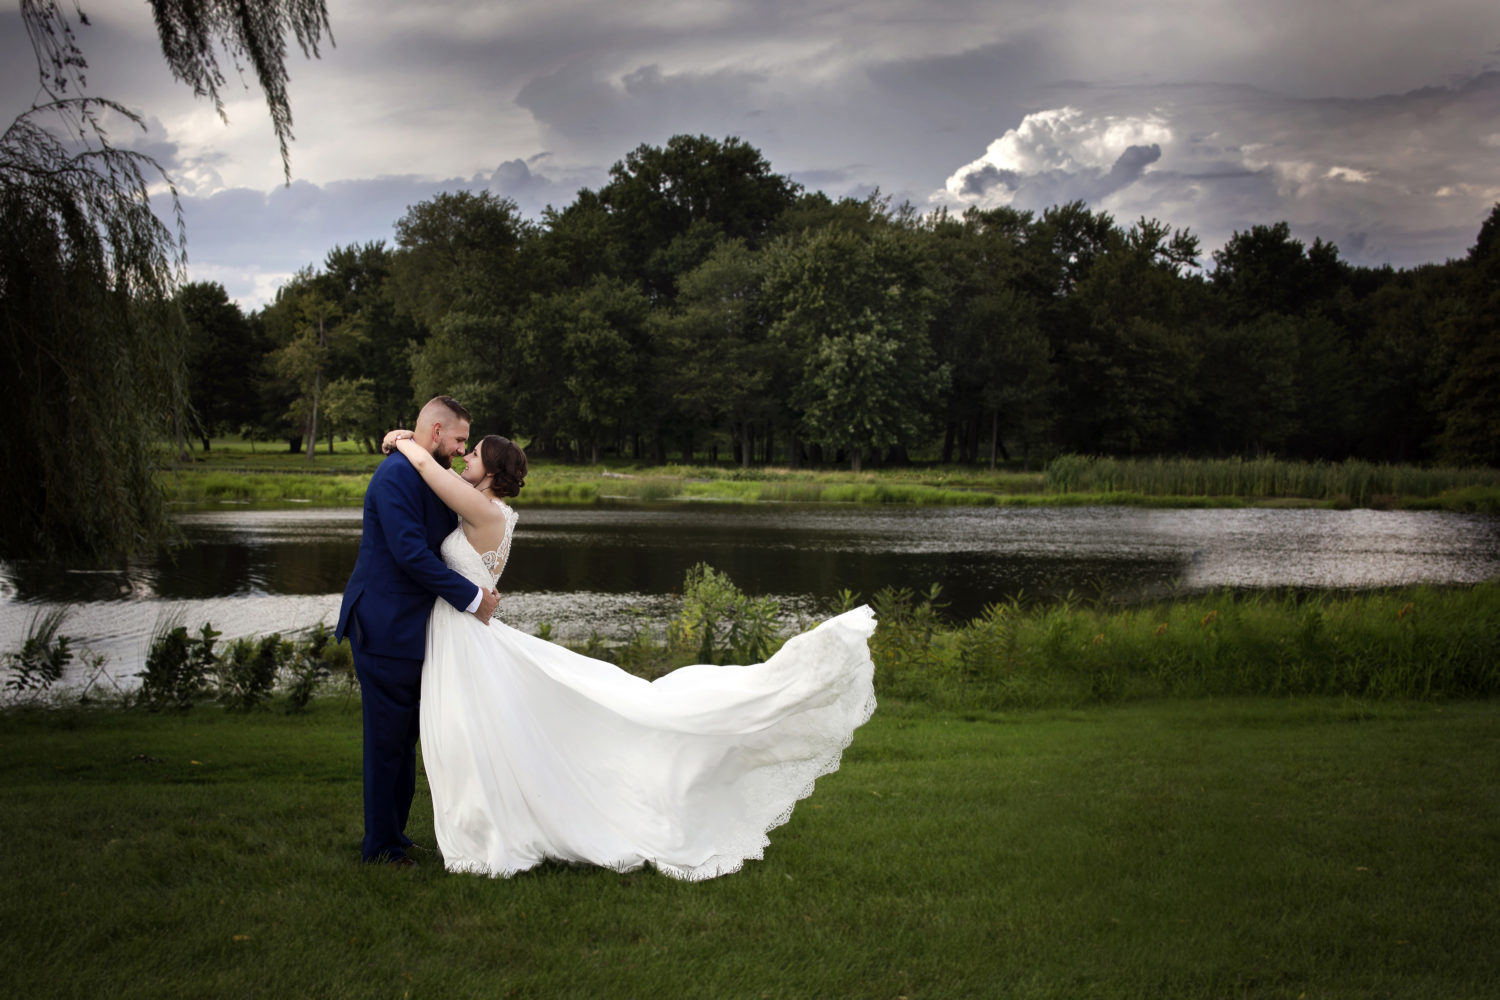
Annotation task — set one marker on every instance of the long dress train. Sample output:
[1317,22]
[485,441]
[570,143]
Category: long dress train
[533,751]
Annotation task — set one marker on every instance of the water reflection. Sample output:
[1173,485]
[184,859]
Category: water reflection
[256,570]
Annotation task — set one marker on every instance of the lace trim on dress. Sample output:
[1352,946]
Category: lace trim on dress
[728,864]
[495,559]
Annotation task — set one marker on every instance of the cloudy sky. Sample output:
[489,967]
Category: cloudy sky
[1371,123]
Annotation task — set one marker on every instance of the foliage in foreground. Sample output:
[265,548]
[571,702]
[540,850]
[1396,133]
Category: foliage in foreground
[1403,643]
[182,669]
[1407,643]
[42,658]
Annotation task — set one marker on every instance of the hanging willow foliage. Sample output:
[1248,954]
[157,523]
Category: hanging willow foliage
[94,350]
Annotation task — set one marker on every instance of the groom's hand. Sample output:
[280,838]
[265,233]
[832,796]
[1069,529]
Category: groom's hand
[487,605]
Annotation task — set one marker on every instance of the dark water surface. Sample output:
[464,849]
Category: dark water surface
[253,570]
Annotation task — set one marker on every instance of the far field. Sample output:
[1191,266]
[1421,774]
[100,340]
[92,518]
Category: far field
[238,470]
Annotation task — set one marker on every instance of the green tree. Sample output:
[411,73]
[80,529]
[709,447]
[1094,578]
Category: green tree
[1264,270]
[673,204]
[359,278]
[1403,361]
[87,273]
[1250,390]
[319,348]
[1126,338]
[221,349]
[1469,400]
[582,349]
[464,267]
[850,319]
[579,242]
[349,407]
[987,329]
[1012,365]
[712,360]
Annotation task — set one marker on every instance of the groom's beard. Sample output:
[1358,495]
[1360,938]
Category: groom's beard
[446,461]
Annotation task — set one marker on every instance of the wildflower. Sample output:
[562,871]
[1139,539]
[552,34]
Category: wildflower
[1209,619]
[1410,609]
[1099,639]
[1161,629]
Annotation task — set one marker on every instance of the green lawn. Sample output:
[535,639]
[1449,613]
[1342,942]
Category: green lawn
[1193,848]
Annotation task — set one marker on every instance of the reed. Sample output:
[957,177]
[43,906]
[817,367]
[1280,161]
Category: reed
[1408,643]
[218,486]
[1354,482]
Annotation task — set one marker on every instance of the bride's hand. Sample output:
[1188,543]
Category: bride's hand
[389,444]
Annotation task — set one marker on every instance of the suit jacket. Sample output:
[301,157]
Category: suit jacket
[398,572]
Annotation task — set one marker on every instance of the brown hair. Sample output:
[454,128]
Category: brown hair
[506,462]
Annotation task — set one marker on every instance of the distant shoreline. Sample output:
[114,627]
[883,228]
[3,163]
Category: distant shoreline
[564,485]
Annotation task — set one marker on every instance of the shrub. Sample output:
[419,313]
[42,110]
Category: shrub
[721,622]
[247,671]
[43,656]
[907,659]
[177,667]
[308,663]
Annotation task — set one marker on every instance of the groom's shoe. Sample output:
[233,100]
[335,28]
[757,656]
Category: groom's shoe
[393,859]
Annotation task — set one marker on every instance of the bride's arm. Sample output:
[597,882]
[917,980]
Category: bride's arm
[461,498]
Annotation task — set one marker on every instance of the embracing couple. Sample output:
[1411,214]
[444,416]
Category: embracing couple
[535,752]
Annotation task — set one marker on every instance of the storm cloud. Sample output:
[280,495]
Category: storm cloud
[1371,125]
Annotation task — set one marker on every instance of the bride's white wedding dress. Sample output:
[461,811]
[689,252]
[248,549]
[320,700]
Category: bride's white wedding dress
[533,751]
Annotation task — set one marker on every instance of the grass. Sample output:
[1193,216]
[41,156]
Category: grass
[1400,643]
[232,471]
[1403,643]
[1317,848]
[1349,483]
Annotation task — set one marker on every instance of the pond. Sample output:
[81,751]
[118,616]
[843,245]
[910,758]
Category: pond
[252,570]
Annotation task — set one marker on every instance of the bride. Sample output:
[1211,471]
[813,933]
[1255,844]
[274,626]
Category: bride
[536,752]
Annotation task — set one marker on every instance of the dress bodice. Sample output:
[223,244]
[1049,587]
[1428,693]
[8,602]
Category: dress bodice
[479,568]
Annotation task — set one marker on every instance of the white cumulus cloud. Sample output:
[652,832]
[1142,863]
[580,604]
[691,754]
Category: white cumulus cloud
[1062,150]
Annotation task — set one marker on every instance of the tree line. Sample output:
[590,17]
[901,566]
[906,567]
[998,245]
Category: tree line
[699,299]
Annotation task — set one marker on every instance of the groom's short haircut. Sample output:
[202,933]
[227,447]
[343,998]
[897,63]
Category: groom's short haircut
[432,412]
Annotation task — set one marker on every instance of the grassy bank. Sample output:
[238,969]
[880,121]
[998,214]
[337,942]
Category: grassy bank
[1404,643]
[234,472]
[1351,483]
[1260,849]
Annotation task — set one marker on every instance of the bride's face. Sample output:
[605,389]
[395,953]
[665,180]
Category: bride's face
[473,473]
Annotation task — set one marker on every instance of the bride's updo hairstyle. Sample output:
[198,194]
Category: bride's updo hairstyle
[506,462]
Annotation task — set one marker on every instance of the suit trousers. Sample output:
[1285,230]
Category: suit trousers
[390,690]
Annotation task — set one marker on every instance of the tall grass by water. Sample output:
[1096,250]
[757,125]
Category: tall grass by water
[1259,849]
[1407,643]
[1354,482]
[1411,643]
[231,473]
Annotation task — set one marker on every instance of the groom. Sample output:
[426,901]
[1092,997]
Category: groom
[384,614]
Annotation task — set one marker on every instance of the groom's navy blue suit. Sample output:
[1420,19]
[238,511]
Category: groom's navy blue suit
[384,614]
